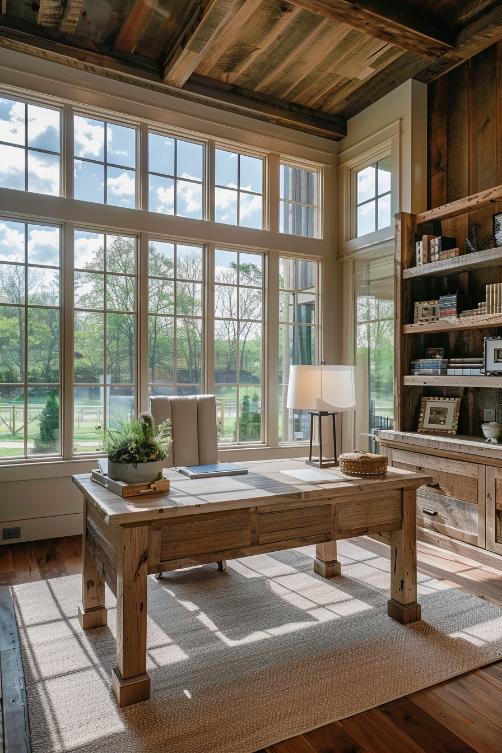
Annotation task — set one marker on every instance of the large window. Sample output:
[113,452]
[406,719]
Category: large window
[30,147]
[298,336]
[238,194]
[29,339]
[108,298]
[374,349]
[238,345]
[105,335]
[299,192]
[373,197]
[175,176]
[105,162]
[175,321]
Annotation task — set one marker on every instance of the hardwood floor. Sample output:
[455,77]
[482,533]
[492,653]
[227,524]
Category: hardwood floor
[463,715]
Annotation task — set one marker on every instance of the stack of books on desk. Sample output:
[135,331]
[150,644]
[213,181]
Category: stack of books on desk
[429,367]
[465,366]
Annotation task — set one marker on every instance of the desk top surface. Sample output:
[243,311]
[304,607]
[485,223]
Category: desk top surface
[268,482]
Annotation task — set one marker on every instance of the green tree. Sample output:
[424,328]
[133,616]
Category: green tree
[49,425]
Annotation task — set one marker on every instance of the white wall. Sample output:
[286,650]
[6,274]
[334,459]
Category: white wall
[40,497]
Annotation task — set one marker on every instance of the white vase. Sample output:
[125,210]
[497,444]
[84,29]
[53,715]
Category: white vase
[135,473]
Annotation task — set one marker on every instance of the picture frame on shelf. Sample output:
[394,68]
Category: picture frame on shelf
[492,356]
[439,415]
[426,311]
[434,352]
[497,229]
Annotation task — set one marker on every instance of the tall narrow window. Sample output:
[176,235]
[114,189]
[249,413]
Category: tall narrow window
[30,316]
[104,162]
[238,345]
[373,197]
[238,189]
[105,335]
[299,210]
[298,336]
[175,324]
[374,349]
[30,147]
[175,176]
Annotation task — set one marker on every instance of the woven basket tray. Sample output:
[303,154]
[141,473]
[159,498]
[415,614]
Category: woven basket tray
[360,463]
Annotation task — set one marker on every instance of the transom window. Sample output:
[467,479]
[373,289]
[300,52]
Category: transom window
[175,176]
[298,336]
[238,194]
[238,345]
[104,335]
[175,323]
[373,197]
[30,316]
[104,162]
[30,147]
[299,208]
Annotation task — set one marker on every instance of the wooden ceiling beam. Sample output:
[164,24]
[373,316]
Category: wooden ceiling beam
[49,13]
[133,25]
[269,108]
[229,32]
[48,44]
[479,34]
[197,38]
[71,16]
[389,20]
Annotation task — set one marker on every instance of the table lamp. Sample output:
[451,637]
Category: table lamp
[321,390]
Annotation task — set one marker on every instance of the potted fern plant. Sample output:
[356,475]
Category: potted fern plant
[137,451]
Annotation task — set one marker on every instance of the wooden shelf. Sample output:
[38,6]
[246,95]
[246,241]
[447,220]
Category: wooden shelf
[454,323]
[487,258]
[453,381]
[467,204]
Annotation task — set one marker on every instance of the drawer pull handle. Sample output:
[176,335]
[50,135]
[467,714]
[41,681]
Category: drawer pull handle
[433,486]
[427,511]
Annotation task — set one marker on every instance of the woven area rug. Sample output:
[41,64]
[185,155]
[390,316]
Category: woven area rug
[242,659]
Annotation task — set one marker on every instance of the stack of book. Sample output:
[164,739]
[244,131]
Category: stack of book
[494,298]
[429,366]
[442,247]
[465,366]
[452,304]
[422,250]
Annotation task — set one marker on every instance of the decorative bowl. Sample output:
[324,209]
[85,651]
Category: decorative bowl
[492,431]
[135,473]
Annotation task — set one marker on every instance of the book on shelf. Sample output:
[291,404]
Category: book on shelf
[464,371]
[494,298]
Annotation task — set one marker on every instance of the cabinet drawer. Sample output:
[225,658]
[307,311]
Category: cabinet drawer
[449,504]
[294,524]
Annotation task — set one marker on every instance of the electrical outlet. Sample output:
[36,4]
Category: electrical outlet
[12,533]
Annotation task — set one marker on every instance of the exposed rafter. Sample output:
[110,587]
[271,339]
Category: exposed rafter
[47,44]
[197,38]
[71,15]
[389,20]
[49,13]
[133,25]
[243,14]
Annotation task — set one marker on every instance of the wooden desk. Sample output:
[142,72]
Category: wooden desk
[203,521]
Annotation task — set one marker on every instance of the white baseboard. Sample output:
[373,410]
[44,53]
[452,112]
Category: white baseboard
[50,527]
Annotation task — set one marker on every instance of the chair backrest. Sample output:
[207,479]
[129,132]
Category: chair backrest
[193,421]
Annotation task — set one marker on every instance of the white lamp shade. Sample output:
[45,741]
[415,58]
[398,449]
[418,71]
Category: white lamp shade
[321,388]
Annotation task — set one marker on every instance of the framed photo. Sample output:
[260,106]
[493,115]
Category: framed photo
[426,311]
[492,356]
[497,228]
[439,415]
[434,353]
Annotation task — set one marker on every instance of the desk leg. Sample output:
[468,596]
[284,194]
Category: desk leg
[92,610]
[130,682]
[403,606]
[326,563]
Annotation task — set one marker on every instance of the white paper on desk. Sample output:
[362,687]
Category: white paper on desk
[313,475]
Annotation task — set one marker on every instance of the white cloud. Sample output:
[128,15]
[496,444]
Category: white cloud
[12,241]
[190,199]
[11,121]
[165,200]
[89,137]
[86,247]
[43,245]
[122,185]
[43,173]
[43,127]
[12,166]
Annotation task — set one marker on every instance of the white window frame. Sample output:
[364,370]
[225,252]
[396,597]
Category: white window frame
[385,143]
[71,213]
[319,207]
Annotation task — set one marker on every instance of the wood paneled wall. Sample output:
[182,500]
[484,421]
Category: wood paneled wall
[465,128]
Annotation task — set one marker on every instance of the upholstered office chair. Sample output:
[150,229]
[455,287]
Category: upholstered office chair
[194,431]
